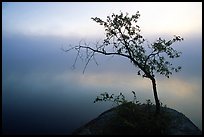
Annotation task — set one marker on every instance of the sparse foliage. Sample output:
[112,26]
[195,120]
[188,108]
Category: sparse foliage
[123,38]
[119,99]
[135,98]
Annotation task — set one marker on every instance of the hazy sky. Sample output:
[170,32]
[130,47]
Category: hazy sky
[35,67]
[71,19]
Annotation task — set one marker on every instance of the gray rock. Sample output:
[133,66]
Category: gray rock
[104,124]
[181,125]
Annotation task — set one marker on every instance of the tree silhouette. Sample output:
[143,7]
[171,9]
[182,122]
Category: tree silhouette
[123,39]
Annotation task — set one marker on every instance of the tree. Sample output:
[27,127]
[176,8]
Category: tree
[123,38]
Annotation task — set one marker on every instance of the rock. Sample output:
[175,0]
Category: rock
[130,118]
[181,125]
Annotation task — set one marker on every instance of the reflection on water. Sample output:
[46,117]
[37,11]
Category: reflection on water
[40,94]
[57,104]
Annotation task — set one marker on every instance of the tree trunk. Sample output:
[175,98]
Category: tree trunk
[155,96]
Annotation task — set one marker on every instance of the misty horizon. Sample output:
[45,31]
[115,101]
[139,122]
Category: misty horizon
[43,94]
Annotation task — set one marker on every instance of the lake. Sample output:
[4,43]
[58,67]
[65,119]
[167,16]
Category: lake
[42,94]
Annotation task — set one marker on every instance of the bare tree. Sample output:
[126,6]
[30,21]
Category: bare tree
[123,38]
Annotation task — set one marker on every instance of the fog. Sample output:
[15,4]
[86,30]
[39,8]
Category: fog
[43,94]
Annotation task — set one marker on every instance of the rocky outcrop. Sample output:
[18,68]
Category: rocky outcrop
[111,122]
[181,125]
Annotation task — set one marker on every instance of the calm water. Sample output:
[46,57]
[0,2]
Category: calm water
[41,94]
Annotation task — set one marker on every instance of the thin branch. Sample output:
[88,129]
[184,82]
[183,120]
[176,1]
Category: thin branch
[67,49]
[105,53]
[151,54]
[95,60]
[76,58]
[87,62]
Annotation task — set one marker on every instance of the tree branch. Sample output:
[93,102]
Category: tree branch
[102,52]
[151,54]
